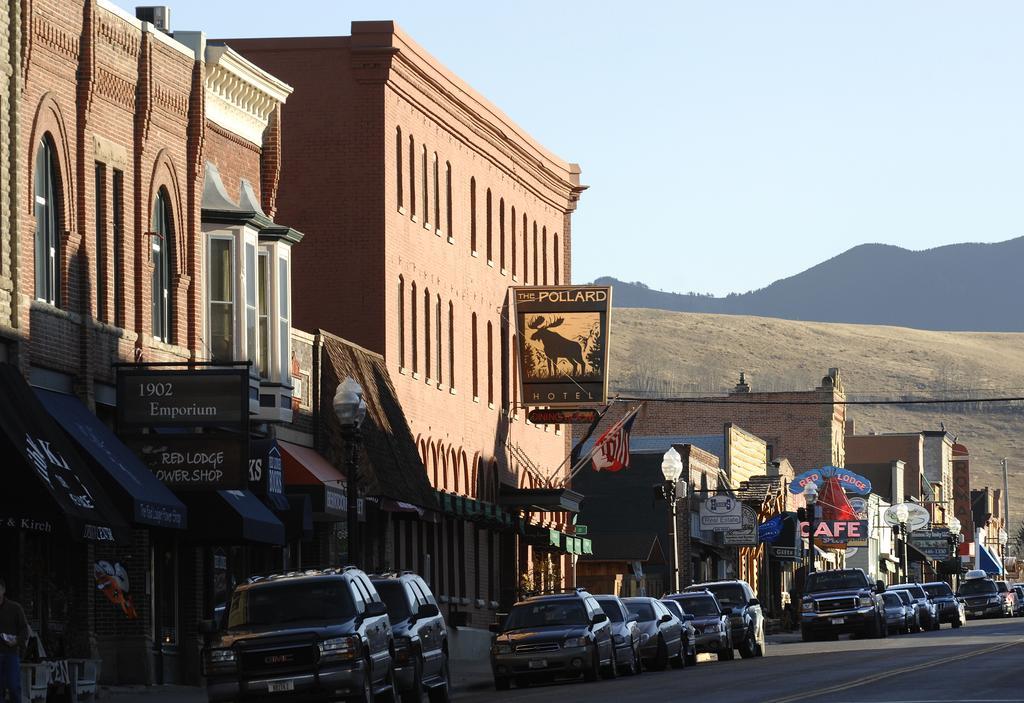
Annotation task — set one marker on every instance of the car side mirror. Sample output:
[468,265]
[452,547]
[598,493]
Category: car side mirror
[207,627]
[598,619]
[752,602]
[665,618]
[632,618]
[879,586]
[375,609]
[427,610]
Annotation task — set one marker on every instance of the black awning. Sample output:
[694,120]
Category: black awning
[540,500]
[51,482]
[295,511]
[789,545]
[133,487]
[231,517]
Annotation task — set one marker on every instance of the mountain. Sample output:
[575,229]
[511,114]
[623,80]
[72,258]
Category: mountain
[656,353]
[974,287]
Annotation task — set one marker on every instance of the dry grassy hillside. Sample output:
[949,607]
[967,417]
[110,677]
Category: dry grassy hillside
[658,353]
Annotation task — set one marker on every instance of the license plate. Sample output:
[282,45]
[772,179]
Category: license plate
[280,686]
[538,663]
[838,621]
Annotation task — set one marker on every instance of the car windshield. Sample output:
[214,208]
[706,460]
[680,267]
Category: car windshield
[904,596]
[673,608]
[699,606]
[976,587]
[643,611]
[395,598]
[546,614]
[835,581]
[611,609]
[1001,585]
[892,599]
[938,590]
[729,595]
[278,603]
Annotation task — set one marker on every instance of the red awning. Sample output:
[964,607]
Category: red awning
[306,467]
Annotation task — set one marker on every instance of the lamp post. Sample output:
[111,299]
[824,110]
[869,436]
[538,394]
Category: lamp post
[672,469]
[1003,539]
[811,498]
[350,408]
[954,539]
[902,515]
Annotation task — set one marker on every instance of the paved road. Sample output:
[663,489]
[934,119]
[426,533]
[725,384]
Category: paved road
[980,662]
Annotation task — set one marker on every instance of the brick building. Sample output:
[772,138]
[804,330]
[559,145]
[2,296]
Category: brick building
[422,203]
[10,76]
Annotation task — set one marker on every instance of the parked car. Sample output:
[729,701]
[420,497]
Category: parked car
[927,611]
[1019,590]
[664,634]
[553,635]
[1008,597]
[897,616]
[913,610]
[625,634]
[981,596]
[689,631]
[738,601]
[951,608]
[712,630]
[420,635]
[841,601]
[310,636]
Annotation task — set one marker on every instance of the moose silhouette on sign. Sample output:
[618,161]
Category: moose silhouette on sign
[556,346]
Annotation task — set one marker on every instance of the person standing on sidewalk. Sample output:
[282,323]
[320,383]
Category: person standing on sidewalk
[13,636]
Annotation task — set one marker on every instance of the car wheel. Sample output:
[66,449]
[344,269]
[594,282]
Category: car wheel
[726,655]
[365,695]
[875,630]
[593,672]
[957,623]
[660,660]
[501,684]
[442,693]
[390,695]
[612,670]
[806,635]
[679,660]
[746,647]
[760,646]
[691,657]
[415,692]
[638,664]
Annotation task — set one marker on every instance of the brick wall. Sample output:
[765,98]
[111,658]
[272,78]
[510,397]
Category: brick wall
[873,449]
[10,75]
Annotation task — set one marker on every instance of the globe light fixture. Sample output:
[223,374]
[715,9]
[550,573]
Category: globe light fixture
[672,465]
[954,525]
[811,493]
[349,405]
[902,514]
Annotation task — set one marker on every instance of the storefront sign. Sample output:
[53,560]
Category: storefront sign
[563,344]
[918,516]
[265,468]
[769,531]
[833,533]
[194,398]
[934,544]
[788,546]
[849,481]
[721,514]
[194,462]
[746,536]
[562,416]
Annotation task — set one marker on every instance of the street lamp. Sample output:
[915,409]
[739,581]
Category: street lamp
[1003,539]
[350,408]
[811,498]
[902,515]
[672,469]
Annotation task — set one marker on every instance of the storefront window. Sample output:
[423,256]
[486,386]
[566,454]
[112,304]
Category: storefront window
[284,316]
[251,322]
[162,251]
[264,314]
[221,298]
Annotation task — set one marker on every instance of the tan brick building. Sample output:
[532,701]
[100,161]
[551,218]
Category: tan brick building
[422,203]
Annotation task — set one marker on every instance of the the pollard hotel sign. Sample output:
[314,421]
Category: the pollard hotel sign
[563,344]
[194,398]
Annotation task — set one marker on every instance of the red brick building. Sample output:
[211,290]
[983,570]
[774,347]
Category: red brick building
[422,203]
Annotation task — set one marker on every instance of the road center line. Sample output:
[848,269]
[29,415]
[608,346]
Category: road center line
[894,672]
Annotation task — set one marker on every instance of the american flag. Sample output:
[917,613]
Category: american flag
[611,451]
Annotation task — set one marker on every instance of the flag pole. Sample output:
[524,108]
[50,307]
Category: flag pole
[583,462]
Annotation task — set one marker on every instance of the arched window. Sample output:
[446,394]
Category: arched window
[472,214]
[526,251]
[47,211]
[501,233]
[415,347]
[504,368]
[426,333]
[451,344]
[536,275]
[400,178]
[162,246]
[401,322]
[490,234]
[437,194]
[412,176]
[544,253]
[512,230]
[448,198]
[558,270]
[515,375]
[476,363]
[426,187]
[490,363]
[437,336]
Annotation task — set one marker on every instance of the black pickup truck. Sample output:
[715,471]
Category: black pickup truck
[841,601]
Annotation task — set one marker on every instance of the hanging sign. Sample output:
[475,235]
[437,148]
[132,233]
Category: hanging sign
[838,533]
[174,398]
[721,514]
[848,480]
[768,532]
[746,536]
[917,516]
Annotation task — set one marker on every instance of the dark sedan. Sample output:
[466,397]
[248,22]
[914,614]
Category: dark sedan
[897,620]
[711,626]
[625,634]
[951,608]
[689,631]
[664,641]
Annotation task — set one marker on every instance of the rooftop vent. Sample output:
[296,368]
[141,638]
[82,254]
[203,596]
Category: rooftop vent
[157,15]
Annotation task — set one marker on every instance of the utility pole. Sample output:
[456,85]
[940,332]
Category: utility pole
[1006,499]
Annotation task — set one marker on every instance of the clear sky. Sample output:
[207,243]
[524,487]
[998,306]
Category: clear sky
[731,143]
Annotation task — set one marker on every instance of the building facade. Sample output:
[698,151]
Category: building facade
[437,204]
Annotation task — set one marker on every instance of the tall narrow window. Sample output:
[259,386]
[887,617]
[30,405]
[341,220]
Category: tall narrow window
[504,366]
[448,197]
[415,348]
[399,176]
[515,374]
[263,326]
[437,337]
[526,251]
[437,194]
[544,253]
[476,363]
[451,344]
[489,222]
[47,238]
[512,239]
[221,289]
[501,233]
[425,199]
[536,276]
[472,215]
[412,177]
[162,247]
[401,322]
[284,296]
[117,244]
[490,363]
[558,269]
[100,255]
[426,333]
[251,278]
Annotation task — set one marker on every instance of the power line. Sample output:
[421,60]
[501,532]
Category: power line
[734,400]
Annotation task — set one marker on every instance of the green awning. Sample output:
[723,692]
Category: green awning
[588,546]
[554,539]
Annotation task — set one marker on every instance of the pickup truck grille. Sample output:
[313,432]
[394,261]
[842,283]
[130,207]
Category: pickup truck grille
[279,658]
[536,647]
[826,605]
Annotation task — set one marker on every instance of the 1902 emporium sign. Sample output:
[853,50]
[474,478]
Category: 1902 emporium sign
[193,398]
[563,344]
